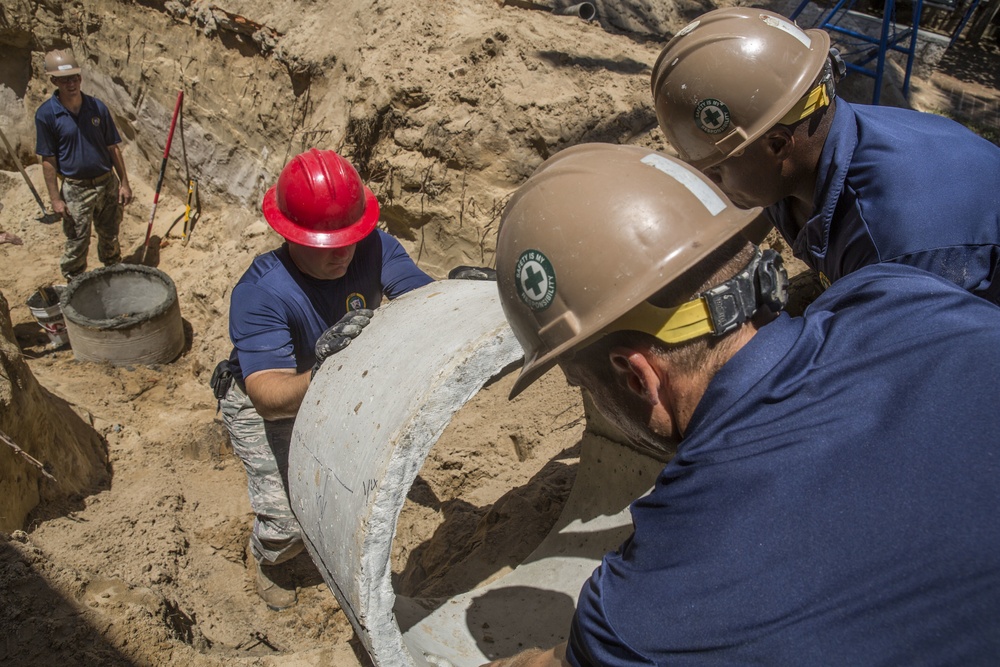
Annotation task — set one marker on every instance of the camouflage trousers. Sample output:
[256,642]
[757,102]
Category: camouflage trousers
[90,206]
[263,448]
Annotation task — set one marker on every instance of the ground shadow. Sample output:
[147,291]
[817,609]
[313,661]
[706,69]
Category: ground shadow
[41,627]
[145,254]
[473,543]
[528,617]
[973,64]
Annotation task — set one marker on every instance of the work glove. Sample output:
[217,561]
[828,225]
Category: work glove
[339,336]
[472,273]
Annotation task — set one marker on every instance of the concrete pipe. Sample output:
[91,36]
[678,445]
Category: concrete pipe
[369,420]
[123,314]
[585,10]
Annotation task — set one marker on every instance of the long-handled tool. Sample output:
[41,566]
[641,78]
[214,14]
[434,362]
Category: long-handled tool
[163,170]
[191,214]
[192,210]
[20,167]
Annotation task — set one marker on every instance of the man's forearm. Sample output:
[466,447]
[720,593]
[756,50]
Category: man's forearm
[51,179]
[119,163]
[277,393]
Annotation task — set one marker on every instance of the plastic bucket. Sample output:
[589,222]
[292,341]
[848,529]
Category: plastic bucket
[48,313]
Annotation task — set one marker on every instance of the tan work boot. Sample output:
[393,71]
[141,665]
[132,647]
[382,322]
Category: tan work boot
[274,586]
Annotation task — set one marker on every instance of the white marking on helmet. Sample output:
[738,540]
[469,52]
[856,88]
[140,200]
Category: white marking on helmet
[792,29]
[62,67]
[705,194]
[688,28]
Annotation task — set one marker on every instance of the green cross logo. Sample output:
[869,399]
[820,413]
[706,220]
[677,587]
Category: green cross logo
[711,116]
[535,279]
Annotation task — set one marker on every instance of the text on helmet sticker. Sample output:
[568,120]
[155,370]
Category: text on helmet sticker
[705,194]
[535,280]
[790,28]
[62,67]
[711,116]
[355,301]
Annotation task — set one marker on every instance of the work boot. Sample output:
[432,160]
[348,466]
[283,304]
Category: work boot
[274,586]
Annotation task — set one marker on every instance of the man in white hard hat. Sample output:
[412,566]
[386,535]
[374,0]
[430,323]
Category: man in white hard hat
[747,97]
[78,142]
[834,485]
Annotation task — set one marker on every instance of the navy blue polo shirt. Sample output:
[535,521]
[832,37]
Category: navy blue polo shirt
[277,313]
[78,142]
[896,185]
[834,500]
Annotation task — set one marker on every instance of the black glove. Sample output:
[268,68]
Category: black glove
[339,336]
[472,273]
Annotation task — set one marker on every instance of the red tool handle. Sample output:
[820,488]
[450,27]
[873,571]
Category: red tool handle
[163,165]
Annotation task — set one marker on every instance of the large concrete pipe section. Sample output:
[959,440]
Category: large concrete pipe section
[370,418]
[123,314]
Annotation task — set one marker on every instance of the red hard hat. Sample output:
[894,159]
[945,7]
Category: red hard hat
[320,202]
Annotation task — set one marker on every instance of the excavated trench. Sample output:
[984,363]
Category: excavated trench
[443,112]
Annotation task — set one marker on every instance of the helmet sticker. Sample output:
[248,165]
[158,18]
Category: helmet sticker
[711,116]
[355,301]
[705,194]
[790,28]
[535,280]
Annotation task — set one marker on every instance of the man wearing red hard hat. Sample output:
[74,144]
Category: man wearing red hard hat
[293,308]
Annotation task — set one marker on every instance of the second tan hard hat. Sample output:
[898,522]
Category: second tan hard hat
[594,232]
[61,63]
[729,76]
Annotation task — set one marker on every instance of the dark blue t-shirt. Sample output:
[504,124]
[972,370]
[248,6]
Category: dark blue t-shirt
[834,501]
[277,313]
[79,143]
[896,185]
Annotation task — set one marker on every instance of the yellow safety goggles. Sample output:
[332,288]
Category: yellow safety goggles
[762,283]
[810,103]
[671,325]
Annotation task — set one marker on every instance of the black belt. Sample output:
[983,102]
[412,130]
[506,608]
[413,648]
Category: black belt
[89,182]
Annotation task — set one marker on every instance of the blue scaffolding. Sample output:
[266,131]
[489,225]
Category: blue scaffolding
[889,39]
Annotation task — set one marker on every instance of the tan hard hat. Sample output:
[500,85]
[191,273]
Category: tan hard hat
[595,231]
[729,76]
[61,63]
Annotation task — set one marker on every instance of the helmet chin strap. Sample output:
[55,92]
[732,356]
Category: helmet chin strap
[717,311]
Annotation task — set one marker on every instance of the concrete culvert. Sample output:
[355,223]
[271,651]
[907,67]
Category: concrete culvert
[123,314]
[365,428]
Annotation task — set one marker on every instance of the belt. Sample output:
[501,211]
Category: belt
[89,182]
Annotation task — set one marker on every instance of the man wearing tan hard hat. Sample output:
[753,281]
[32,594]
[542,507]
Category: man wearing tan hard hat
[78,142]
[747,97]
[833,487]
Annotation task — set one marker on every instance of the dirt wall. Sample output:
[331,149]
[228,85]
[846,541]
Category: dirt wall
[46,429]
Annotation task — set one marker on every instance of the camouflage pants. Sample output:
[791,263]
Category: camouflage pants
[90,206]
[263,448]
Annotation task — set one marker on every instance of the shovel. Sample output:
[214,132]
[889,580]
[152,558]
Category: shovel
[47,218]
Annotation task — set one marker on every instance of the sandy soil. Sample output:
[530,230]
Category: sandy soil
[150,568]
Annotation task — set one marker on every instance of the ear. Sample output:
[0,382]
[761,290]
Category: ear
[779,141]
[643,376]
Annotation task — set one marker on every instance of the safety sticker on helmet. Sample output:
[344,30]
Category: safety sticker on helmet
[535,279]
[711,116]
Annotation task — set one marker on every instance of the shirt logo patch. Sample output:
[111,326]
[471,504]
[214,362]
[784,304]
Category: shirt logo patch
[711,116]
[95,121]
[535,279]
[355,301]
